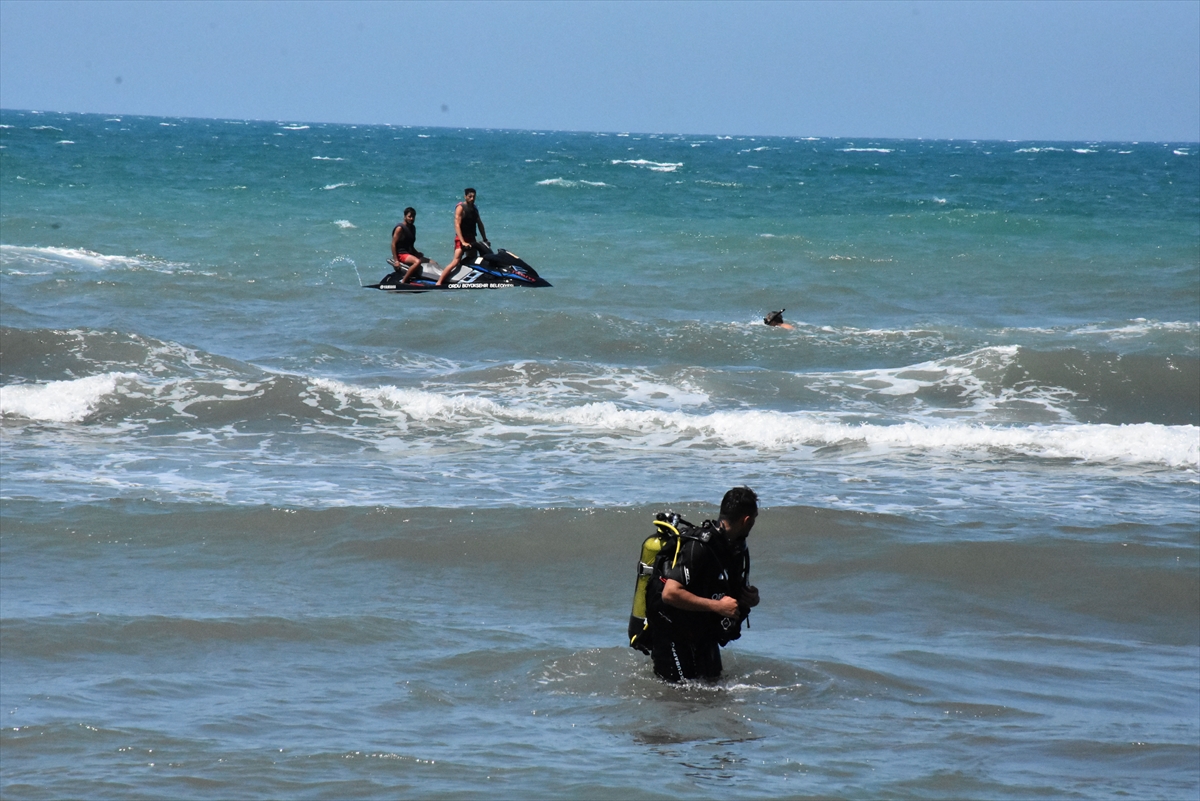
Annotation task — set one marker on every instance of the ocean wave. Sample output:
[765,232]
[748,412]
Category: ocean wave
[327,158]
[344,224]
[656,166]
[336,186]
[40,258]
[1170,446]
[865,150]
[568,183]
[59,401]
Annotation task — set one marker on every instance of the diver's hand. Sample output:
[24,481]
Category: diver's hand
[727,607]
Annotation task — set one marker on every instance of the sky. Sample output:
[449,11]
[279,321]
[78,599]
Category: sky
[1077,71]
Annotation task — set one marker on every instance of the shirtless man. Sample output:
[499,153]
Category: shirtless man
[466,218]
[404,246]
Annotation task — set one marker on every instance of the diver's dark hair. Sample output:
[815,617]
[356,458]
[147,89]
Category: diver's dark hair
[739,502]
[410,208]
[470,190]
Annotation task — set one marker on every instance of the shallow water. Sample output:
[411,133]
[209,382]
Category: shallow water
[266,533]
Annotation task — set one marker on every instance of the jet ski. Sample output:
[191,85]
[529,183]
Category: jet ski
[499,270]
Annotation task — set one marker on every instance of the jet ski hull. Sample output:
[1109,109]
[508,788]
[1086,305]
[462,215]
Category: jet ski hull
[499,270]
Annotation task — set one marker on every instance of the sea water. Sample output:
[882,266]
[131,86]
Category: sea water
[266,533]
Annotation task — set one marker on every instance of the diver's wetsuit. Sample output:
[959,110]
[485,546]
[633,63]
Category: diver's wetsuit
[690,645]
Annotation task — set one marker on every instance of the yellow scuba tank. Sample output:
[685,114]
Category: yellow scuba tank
[638,625]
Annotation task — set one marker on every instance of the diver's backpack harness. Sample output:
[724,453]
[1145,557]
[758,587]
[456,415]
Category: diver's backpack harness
[659,550]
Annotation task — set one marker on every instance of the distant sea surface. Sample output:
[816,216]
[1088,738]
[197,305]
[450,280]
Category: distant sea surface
[268,534]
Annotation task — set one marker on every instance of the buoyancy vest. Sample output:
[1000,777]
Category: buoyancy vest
[702,560]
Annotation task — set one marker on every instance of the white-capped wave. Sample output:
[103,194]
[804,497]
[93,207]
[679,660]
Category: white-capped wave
[865,150]
[77,258]
[344,224]
[336,186]
[1137,328]
[758,430]
[656,166]
[327,158]
[294,127]
[58,401]
[569,183]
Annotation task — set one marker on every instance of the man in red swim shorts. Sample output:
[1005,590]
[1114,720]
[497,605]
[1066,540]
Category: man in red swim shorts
[404,246]
[466,219]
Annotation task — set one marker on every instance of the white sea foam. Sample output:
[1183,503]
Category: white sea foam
[45,128]
[55,257]
[637,429]
[344,224]
[1039,150]
[656,166]
[336,186]
[64,142]
[1137,328]
[327,158]
[568,183]
[294,127]
[865,150]
[59,401]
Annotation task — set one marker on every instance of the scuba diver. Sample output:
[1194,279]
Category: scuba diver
[699,593]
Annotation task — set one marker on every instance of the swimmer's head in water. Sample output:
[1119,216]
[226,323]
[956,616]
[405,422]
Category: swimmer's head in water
[775,317]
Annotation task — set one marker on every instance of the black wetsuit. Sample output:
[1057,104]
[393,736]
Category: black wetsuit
[687,644]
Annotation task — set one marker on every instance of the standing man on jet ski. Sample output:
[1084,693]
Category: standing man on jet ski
[404,246]
[705,593]
[466,218]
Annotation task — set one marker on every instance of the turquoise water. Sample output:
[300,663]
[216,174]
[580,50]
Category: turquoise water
[301,537]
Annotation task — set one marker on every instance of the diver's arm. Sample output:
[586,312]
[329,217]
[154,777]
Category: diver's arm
[674,594]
